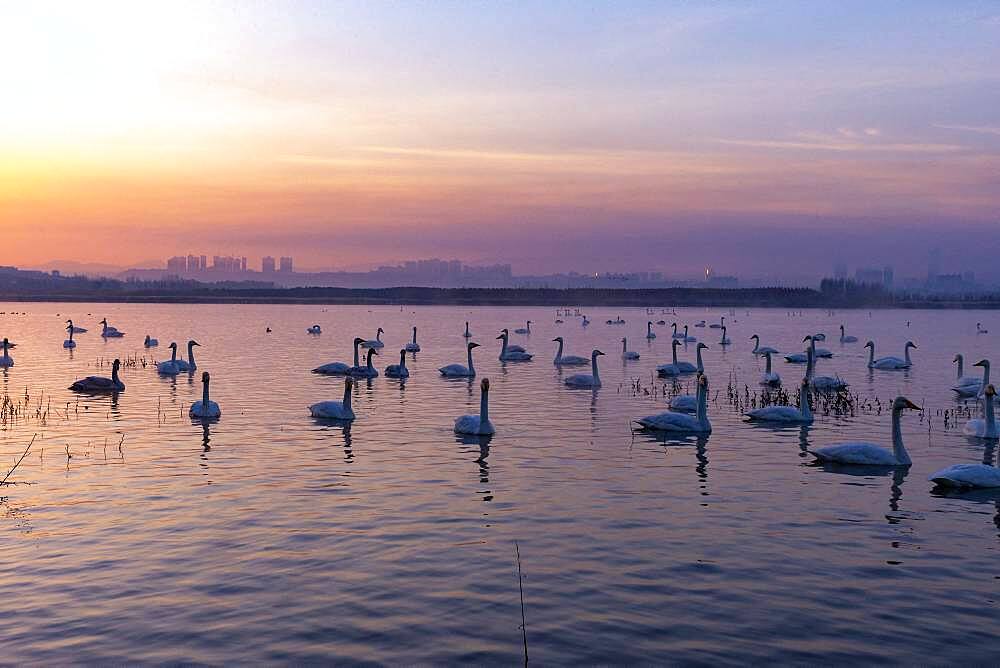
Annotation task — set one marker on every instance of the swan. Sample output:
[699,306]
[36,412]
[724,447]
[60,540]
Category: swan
[398,370]
[688,403]
[340,368]
[650,334]
[973,475]
[169,368]
[889,363]
[513,347]
[819,337]
[688,339]
[972,387]
[785,414]
[190,364]
[109,332]
[675,368]
[626,353]
[675,334]
[984,427]
[725,340]
[585,321]
[335,410]
[6,361]
[69,343]
[376,342]
[205,409]
[459,371]
[524,330]
[799,358]
[315,329]
[100,383]
[682,422]
[77,329]
[150,342]
[661,322]
[759,349]
[567,360]
[700,323]
[507,354]
[980,330]
[718,325]
[368,370]
[869,454]
[592,379]
[770,378]
[467,333]
[845,338]
[822,383]
[478,425]
[413,346]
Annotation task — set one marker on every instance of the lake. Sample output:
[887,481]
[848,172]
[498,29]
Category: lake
[134,534]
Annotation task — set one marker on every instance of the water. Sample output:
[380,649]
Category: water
[270,537]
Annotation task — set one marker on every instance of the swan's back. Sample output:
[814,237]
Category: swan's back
[199,409]
[454,370]
[333,369]
[684,403]
[581,380]
[855,453]
[967,475]
[670,421]
[331,410]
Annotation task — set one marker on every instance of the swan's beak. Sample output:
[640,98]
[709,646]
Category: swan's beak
[555,339]
[808,338]
[981,363]
[598,352]
[909,404]
[473,345]
[499,337]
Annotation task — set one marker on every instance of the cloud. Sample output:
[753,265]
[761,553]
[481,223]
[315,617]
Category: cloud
[978,129]
[844,146]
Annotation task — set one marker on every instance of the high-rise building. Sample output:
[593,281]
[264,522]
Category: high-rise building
[177,264]
[243,264]
[285,264]
[193,263]
[203,263]
[267,264]
[887,276]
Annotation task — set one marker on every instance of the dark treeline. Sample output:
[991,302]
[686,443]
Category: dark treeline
[38,286]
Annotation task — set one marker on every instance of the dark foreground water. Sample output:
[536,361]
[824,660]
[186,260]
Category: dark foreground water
[270,537]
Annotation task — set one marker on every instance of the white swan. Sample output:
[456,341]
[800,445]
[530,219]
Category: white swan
[889,363]
[785,414]
[478,425]
[675,334]
[335,410]
[206,409]
[109,332]
[869,454]
[688,339]
[459,371]
[681,422]
[150,342]
[376,342]
[77,329]
[592,379]
[190,364]
[972,387]
[467,333]
[650,334]
[800,358]
[675,368]
[6,361]
[567,360]
[413,346]
[524,330]
[340,368]
[822,383]
[819,337]
[973,475]
[759,349]
[512,347]
[69,343]
[508,354]
[725,340]
[718,325]
[169,368]
[398,370]
[700,323]
[626,353]
[688,403]
[980,330]
[100,383]
[845,338]
[368,370]
[770,378]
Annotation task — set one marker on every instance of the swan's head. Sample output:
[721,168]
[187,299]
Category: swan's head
[958,358]
[675,343]
[702,346]
[902,402]
[623,339]
[485,385]
[358,340]
[528,323]
[990,391]
[559,339]
[473,345]
[596,353]
[755,337]
[505,330]
[380,331]
[807,339]
[910,344]
[703,380]
[192,342]
[982,363]
[805,382]
[649,323]
[103,322]
[348,383]
[114,365]
[841,329]
[173,344]
[204,377]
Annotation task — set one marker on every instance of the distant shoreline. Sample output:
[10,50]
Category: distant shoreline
[556,298]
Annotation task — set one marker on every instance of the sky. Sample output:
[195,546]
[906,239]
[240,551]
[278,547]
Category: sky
[759,138]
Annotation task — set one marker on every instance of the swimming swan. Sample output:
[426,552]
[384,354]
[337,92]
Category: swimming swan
[467,333]
[340,368]
[368,370]
[398,370]
[759,349]
[109,332]
[592,379]
[508,354]
[675,368]
[69,343]
[681,422]
[626,353]
[169,368]
[770,378]
[889,363]
[315,329]
[869,454]
[973,475]
[413,346]
[984,427]
[650,334]
[150,342]
[335,410]
[524,330]
[512,347]
[973,387]
[725,340]
[190,364]
[100,383]
[785,414]
[459,371]
[844,338]
[6,361]
[376,342]
[567,360]
[206,409]
[478,425]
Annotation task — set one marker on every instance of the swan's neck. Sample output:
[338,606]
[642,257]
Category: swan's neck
[173,353]
[756,343]
[369,360]
[593,366]
[356,344]
[649,328]
[414,335]
[559,352]
[402,359]
[466,328]
[986,375]
[897,438]
[204,394]
[991,421]
[471,369]
[906,354]
[871,355]
[673,351]
[674,325]
[347,395]
[702,413]
[484,407]
[701,367]
[503,345]
[961,366]
[804,402]
[114,375]
[810,363]
[191,354]
[767,369]
[624,346]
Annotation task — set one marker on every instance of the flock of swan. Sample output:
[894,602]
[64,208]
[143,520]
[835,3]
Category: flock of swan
[686,414]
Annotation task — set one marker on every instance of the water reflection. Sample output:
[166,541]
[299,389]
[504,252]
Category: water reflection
[482,450]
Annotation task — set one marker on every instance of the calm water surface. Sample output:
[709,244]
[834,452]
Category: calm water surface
[271,537]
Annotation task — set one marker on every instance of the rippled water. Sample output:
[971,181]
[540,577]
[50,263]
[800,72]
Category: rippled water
[271,537]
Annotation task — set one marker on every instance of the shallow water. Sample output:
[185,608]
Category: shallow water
[269,536]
